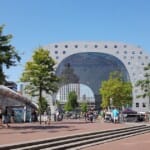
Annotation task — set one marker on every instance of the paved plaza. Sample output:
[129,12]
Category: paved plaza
[18,133]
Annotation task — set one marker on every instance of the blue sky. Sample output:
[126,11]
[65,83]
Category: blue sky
[36,23]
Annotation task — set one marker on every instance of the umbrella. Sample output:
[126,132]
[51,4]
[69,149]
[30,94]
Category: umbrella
[129,111]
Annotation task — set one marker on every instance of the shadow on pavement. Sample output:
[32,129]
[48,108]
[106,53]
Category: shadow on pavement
[36,127]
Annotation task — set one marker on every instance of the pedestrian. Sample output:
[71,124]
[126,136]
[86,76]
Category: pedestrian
[34,116]
[45,117]
[6,117]
[102,115]
[115,114]
[57,115]
[48,119]
[85,116]
[12,116]
[91,115]
[1,122]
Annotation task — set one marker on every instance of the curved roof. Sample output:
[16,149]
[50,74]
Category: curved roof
[133,57]
[5,91]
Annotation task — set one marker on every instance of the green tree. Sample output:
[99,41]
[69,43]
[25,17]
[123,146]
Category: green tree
[84,107]
[68,107]
[71,102]
[40,75]
[8,55]
[115,92]
[145,83]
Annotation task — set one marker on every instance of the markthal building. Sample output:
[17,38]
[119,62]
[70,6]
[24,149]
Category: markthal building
[84,65]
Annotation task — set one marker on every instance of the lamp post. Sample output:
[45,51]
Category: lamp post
[111,102]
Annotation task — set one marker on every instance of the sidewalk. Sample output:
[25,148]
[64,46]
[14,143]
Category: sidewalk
[34,131]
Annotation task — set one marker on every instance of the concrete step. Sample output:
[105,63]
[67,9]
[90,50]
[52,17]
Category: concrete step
[68,139]
[85,142]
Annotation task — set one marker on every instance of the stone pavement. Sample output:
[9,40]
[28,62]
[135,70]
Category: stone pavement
[17,133]
[139,142]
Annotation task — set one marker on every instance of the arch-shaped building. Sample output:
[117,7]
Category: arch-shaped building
[105,57]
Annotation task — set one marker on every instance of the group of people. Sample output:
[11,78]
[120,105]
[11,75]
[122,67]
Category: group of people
[57,116]
[112,115]
[90,115]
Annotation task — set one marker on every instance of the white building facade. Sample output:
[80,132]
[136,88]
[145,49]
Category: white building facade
[63,92]
[132,58]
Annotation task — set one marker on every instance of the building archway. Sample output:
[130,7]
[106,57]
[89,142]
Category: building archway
[132,57]
[90,68]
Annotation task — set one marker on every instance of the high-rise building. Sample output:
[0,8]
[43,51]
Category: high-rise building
[63,92]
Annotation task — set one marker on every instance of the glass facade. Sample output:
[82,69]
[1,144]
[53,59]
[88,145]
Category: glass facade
[90,68]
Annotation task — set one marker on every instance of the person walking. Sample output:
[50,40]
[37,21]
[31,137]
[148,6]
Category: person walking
[12,116]
[85,116]
[91,115]
[6,117]
[45,117]
[115,114]
[1,122]
[102,115]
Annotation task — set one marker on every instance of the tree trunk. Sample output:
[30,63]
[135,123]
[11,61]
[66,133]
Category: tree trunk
[40,99]
[2,76]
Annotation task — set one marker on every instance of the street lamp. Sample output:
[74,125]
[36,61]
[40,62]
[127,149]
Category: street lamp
[111,102]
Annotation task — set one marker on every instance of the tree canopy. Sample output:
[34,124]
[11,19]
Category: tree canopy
[71,102]
[84,107]
[8,55]
[115,92]
[39,73]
